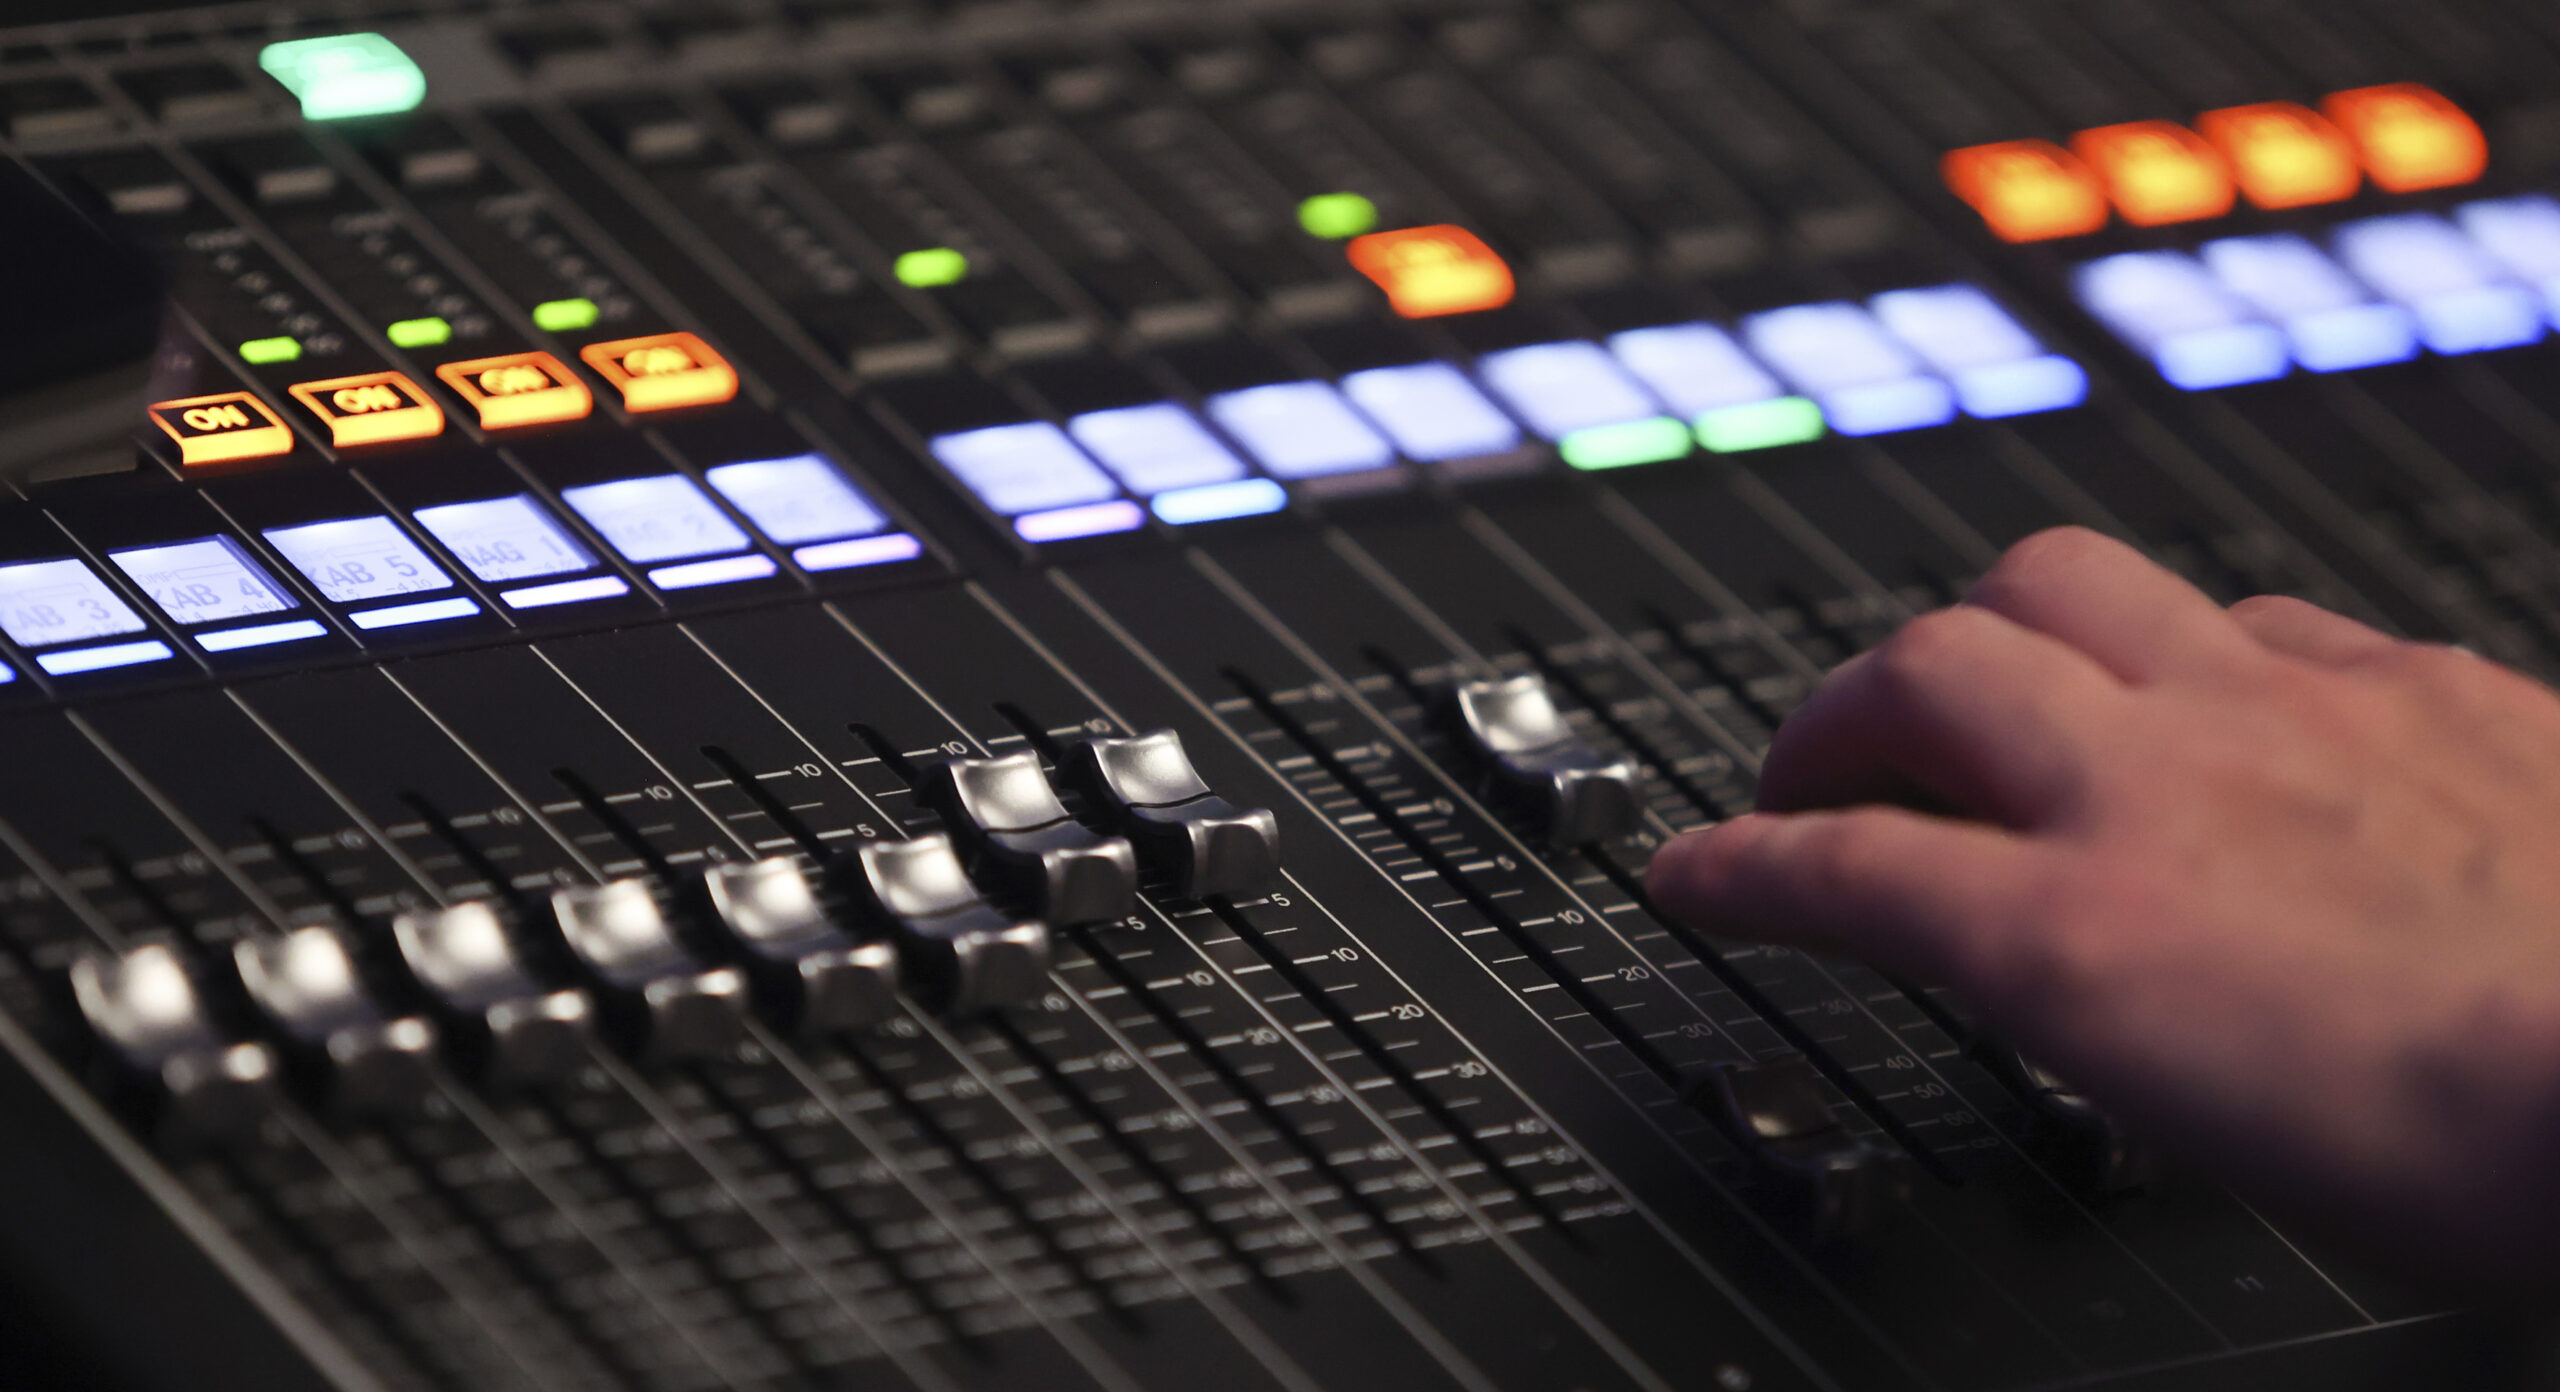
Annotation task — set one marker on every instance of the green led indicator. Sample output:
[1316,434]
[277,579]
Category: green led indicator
[1647,441]
[1335,216]
[931,267]
[270,350]
[345,75]
[419,333]
[1785,420]
[564,316]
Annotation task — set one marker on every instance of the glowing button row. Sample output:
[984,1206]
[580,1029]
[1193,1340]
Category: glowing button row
[657,373]
[2249,309]
[1904,360]
[2403,136]
[61,609]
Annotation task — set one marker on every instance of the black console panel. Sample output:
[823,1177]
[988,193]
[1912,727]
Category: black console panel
[940,695]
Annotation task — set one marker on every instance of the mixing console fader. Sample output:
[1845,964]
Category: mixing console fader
[970,694]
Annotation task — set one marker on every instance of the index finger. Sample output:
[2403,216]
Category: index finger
[1931,896]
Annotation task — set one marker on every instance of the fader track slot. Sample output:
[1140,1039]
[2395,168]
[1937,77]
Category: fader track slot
[1252,1096]
[938,1136]
[1421,846]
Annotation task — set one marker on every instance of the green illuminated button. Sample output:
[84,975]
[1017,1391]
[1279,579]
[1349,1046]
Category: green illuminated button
[564,316]
[419,333]
[931,267]
[1337,215]
[1784,420]
[270,350]
[345,75]
[1647,441]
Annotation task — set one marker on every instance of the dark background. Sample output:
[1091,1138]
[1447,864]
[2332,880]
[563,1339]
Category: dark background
[15,12]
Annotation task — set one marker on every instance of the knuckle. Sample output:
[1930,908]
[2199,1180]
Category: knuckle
[1931,649]
[2055,549]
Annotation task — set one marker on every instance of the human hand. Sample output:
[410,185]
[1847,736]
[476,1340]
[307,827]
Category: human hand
[2280,892]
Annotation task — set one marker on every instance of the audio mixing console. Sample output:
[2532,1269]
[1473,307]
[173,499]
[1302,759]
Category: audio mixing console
[969,694]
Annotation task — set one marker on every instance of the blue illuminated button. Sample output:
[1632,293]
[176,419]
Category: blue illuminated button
[1155,448]
[722,570]
[2462,297]
[203,581]
[44,603]
[1218,501]
[8,674]
[1997,367]
[103,657]
[2045,382]
[506,538]
[1694,368]
[663,517]
[797,500]
[1559,388]
[1432,412]
[2170,308]
[261,635]
[2332,322]
[1016,469]
[566,592]
[2524,235]
[1083,520]
[1301,429]
[1865,382]
[424,611]
[859,551]
[359,558]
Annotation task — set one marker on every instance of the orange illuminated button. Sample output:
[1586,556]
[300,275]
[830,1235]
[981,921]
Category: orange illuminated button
[217,429]
[2027,190]
[2157,171]
[2410,136]
[1428,271]
[371,409]
[663,371]
[519,389]
[2284,154]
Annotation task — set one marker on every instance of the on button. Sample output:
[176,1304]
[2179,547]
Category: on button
[217,429]
[519,389]
[371,409]
[663,371]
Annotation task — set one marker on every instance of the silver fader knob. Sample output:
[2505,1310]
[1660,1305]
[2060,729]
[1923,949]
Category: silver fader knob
[467,957]
[825,980]
[621,930]
[1206,844]
[962,955]
[2078,1141]
[308,985]
[1016,833]
[1575,794]
[144,1006]
[1833,1184]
